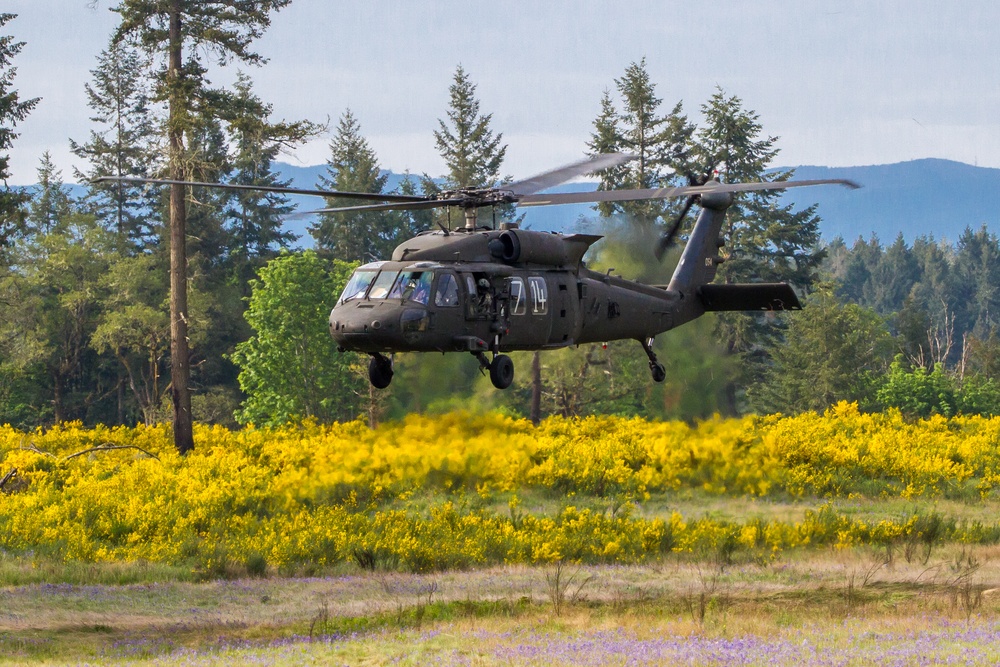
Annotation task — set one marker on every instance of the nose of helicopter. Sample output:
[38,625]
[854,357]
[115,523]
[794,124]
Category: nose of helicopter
[384,328]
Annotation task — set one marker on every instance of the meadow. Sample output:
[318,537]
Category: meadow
[482,539]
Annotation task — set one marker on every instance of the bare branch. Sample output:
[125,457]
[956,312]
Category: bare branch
[6,478]
[107,448]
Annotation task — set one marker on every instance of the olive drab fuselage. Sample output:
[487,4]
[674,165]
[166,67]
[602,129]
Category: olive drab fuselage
[426,305]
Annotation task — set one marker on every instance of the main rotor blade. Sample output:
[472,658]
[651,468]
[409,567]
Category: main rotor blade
[667,193]
[264,188]
[403,206]
[558,176]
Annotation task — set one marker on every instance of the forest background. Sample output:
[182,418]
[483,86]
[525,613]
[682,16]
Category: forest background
[83,278]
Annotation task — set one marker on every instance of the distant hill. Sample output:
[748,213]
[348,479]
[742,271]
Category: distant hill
[928,197]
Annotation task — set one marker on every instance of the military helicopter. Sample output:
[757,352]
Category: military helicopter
[487,290]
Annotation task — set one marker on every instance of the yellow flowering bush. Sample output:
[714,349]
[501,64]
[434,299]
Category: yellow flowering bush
[408,494]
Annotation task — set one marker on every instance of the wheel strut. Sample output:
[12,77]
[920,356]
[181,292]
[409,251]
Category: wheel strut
[501,369]
[655,367]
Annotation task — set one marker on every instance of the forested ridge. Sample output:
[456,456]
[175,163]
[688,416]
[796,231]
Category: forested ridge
[84,278]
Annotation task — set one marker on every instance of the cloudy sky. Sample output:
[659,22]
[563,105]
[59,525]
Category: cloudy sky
[840,82]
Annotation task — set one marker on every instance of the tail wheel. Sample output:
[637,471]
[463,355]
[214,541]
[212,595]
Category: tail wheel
[501,371]
[379,372]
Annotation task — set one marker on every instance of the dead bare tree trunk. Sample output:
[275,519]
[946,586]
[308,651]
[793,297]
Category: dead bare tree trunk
[536,388]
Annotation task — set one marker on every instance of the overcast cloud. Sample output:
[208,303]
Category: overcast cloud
[840,82]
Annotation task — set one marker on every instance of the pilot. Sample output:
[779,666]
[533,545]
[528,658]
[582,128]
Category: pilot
[422,289]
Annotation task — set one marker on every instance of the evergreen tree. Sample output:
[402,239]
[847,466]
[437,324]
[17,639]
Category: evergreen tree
[13,110]
[254,217]
[767,242]
[471,150]
[50,205]
[226,29]
[892,278]
[831,352]
[661,144]
[353,167]
[977,277]
[124,146]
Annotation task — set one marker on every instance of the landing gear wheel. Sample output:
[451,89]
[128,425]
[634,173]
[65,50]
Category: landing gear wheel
[379,371]
[655,367]
[659,373]
[501,371]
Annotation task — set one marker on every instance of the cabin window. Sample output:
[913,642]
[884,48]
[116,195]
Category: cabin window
[413,286]
[447,291]
[518,304]
[539,296]
[358,285]
[382,285]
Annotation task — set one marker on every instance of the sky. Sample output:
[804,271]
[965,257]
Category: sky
[838,82]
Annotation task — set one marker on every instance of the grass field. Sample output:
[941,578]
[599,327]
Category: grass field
[831,606]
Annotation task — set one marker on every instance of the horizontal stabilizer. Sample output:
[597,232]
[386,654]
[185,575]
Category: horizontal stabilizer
[751,296]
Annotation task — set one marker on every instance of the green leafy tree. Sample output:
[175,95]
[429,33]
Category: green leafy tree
[13,110]
[135,328]
[918,392]
[290,368]
[977,278]
[53,306]
[892,278]
[767,242]
[225,29]
[831,352]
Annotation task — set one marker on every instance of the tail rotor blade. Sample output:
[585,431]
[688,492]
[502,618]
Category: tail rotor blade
[667,240]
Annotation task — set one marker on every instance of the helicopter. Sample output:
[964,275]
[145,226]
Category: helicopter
[490,290]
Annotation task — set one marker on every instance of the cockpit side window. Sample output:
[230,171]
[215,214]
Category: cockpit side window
[414,286]
[382,285]
[447,291]
[357,285]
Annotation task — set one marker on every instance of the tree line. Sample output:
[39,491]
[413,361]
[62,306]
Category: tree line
[94,330]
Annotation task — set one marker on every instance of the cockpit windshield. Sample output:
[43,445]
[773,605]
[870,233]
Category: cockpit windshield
[371,282]
[414,286]
[358,284]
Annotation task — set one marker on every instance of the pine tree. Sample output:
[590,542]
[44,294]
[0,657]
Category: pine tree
[124,146]
[50,203]
[254,217]
[13,110]
[660,143]
[226,29]
[832,352]
[767,241]
[473,153]
[353,167]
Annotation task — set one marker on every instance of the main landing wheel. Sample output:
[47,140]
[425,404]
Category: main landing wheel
[659,373]
[501,371]
[379,371]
